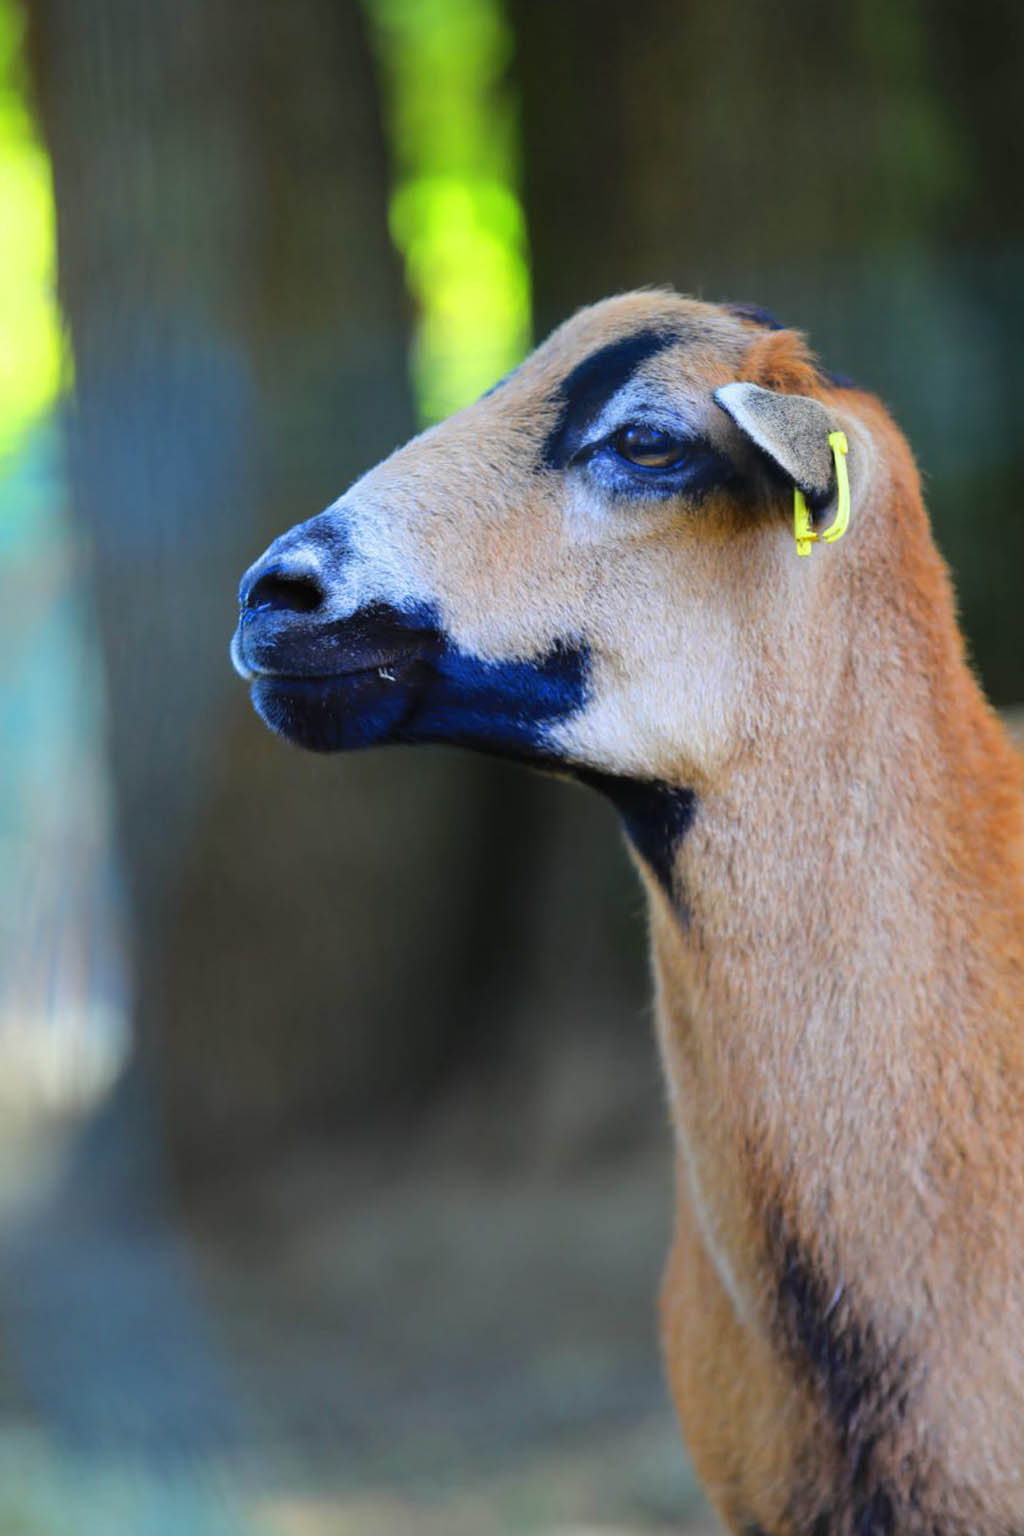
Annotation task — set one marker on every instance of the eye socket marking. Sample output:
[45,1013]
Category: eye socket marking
[641,467]
[644,462]
[648,447]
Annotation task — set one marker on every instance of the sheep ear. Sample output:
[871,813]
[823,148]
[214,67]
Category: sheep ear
[791,429]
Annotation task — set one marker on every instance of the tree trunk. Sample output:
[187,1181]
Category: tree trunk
[298,926]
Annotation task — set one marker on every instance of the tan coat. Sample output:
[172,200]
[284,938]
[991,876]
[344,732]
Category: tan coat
[829,823]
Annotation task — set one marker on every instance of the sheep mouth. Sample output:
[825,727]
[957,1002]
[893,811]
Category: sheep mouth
[338,685]
[343,710]
[290,647]
[385,675]
[384,669]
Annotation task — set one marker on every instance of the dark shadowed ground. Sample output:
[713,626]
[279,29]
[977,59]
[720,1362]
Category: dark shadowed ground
[407,1344]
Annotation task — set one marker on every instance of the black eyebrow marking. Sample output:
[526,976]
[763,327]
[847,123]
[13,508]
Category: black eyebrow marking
[592,383]
[756,315]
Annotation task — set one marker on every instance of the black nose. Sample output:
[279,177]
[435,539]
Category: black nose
[283,586]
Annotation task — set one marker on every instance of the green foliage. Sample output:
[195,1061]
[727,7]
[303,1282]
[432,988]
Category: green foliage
[455,212]
[32,362]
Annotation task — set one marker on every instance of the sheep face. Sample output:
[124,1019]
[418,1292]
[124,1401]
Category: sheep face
[591,568]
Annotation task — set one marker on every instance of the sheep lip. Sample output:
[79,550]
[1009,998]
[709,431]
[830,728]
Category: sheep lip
[291,650]
[338,710]
[367,669]
[348,664]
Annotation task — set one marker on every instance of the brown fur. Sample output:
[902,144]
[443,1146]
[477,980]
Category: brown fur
[841,1022]
[839,955]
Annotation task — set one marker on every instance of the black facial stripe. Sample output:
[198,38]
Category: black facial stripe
[592,383]
[656,818]
[390,675]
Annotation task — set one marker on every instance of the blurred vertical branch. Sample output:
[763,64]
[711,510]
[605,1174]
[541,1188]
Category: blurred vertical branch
[31,355]
[455,212]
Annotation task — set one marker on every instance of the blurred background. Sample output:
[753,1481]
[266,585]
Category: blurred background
[334,1170]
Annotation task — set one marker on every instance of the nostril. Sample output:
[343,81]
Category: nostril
[293,594]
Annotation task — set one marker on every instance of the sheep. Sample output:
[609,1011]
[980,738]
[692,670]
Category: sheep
[593,570]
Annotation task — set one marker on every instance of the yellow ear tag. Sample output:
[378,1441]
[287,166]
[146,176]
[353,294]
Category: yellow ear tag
[802,529]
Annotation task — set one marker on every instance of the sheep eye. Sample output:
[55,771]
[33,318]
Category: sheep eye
[648,447]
